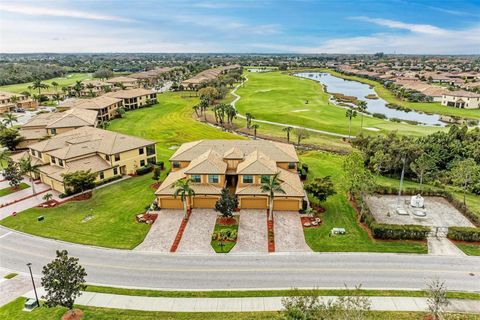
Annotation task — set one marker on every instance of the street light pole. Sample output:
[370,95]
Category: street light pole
[401,182]
[29,265]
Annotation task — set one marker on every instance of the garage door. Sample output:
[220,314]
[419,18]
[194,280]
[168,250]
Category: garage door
[171,204]
[286,205]
[206,203]
[253,203]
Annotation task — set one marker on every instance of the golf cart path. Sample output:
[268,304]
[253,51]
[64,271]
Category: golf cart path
[237,97]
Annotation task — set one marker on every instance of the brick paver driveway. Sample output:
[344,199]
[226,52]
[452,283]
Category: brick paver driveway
[163,232]
[198,233]
[252,232]
[288,230]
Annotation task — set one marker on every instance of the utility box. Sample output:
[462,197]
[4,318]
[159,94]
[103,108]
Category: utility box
[40,218]
[29,305]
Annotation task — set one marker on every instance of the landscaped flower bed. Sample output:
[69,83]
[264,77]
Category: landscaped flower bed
[225,234]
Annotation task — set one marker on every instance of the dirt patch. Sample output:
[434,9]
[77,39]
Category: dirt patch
[75,314]
[270,234]
[155,186]
[226,221]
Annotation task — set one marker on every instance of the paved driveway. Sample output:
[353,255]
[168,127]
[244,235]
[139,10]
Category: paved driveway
[163,232]
[252,232]
[288,230]
[198,233]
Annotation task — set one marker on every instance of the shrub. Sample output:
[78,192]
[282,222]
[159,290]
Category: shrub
[144,170]
[399,232]
[464,234]
[161,165]
[107,180]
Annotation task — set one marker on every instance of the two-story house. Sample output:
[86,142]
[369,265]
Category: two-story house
[105,106]
[135,98]
[9,101]
[239,165]
[103,152]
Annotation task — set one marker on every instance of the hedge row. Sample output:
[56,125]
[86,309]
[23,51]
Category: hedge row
[464,234]
[144,170]
[398,232]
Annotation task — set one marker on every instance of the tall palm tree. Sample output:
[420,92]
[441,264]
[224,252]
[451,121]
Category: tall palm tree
[4,156]
[350,114]
[185,192]
[78,87]
[254,127]
[196,108]
[272,186]
[362,107]
[287,130]
[249,118]
[39,85]
[14,99]
[9,119]
[27,167]
[56,97]
[55,85]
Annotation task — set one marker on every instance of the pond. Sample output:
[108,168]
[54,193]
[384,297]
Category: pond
[361,90]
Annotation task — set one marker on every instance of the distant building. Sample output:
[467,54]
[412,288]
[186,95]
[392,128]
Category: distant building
[135,98]
[127,82]
[461,99]
[10,101]
[208,75]
[105,106]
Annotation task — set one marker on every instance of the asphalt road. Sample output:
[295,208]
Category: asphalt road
[182,272]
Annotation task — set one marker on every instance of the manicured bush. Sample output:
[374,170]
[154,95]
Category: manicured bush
[144,170]
[464,234]
[107,180]
[399,232]
[161,165]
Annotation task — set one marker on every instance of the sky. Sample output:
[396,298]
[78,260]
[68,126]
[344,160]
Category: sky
[241,26]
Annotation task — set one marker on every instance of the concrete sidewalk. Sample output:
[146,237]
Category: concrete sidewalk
[104,300]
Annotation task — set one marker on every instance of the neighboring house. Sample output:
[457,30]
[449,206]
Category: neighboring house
[240,166]
[127,82]
[207,75]
[150,78]
[45,125]
[105,106]
[10,101]
[106,153]
[461,99]
[94,88]
[135,98]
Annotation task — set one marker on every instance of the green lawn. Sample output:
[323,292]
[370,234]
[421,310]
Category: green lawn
[10,275]
[13,310]
[62,81]
[470,249]
[340,214]
[279,97]
[113,209]
[227,245]
[9,190]
[428,107]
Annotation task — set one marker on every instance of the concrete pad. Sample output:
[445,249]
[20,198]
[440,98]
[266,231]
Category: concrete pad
[252,232]
[206,305]
[11,289]
[288,231]
[443,247]
[230,305]
[198,233]
[163,232]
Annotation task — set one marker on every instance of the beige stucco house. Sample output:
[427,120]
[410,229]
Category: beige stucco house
[461,99]
[135,98]
[106,153]
[9,101]
[239,165]
[105,106]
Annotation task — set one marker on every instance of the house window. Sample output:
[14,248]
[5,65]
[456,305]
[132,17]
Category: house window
[212,178]
[53,131]
[39,154]
[117,157]
[115,171]
[248,179]
[291,165]
[53,160]
[151,150]
[196,178]
[101,175]
[107,157]
[60,162]
[142,163]
[265,179]
[176,164]
[141,151]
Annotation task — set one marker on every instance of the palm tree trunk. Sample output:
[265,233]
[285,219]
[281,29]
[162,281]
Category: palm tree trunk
[350,129]
[33,184]
[361,124]
[270,211]
[185,209]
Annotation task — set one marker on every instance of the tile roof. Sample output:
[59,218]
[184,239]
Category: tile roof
[208,163]
[70,118]
[257,163]
[289,181]
[130,93]
[93,103]
[94,163]
[121,79]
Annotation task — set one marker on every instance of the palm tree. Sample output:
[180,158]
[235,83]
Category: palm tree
[27,167]
[90,88]
[196,108]
[362,107]
[39,85]
[9,119]
[78,87]
[350,114]
[185,192]
[254,127]
[47,197]
[272,186]
[249,118]
[55,85]
[4,156]
[287,130]
[56,97]
[14,99]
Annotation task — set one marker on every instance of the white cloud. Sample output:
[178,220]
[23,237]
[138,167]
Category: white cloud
[419,28]
[68,13]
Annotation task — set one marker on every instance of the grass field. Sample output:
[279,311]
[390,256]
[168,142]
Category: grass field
[340,214]
[63,81]
[279,97]
[113,209]
[429,107]
[9,190]
[13,310]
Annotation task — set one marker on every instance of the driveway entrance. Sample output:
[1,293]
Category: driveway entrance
[252,232]
[198,233]
[163,232]
[288,230]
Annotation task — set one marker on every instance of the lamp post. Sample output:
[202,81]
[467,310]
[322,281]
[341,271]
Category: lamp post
[401,182]
[29,265]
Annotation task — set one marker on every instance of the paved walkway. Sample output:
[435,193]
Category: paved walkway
[252,232]
[103,300]
[10,289]
[163,231]
[288,231]
[443,247]
[198,233]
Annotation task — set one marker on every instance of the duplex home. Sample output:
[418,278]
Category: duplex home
[151,77]
[208,75]
[135,98]
[104,152]
[240,166]
[105,106]
[45,125]
[10,101]
[124,82]
[461,99]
